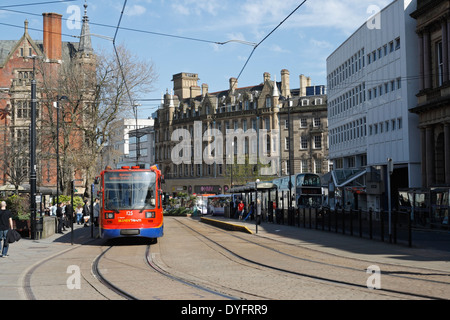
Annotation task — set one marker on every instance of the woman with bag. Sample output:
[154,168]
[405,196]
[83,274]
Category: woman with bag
[5,224]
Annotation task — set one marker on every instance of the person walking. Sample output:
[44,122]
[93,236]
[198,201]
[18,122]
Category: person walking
[86,213]
[5,225]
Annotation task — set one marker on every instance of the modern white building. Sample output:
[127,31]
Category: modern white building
[118,151]
[372,82]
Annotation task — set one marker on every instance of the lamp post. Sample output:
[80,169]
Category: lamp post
[256,204]
[288,100]
[33,153]
[56,105]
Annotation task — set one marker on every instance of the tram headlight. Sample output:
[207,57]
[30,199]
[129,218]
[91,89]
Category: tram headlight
[109,215]
[149,214]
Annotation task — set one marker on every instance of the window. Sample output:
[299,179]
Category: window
[397,43]
[303,123]
[399,123]
[317,142]
[318,166]
[316,122]
[305,166]
[391,46]
[286,124]
[303,143]
[286,143]
[268,102]
[23,108]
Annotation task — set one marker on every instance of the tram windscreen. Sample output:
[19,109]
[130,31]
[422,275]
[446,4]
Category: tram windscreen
[129,190]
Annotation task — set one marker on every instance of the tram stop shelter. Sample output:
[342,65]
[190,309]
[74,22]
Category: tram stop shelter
[251,190]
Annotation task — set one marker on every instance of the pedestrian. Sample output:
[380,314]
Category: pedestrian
[240,210]
[60,217]
[5,225]
[86,213]
[70,214]
[79,212]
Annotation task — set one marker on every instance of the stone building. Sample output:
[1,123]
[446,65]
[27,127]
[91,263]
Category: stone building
[433,97]
[207,141]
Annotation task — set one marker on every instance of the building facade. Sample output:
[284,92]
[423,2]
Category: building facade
[46,61]
[433,97]
[206,142]
[372,83]
[122,148]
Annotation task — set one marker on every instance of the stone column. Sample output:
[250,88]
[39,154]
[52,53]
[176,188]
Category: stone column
[421,62]
[430,166]
[447,152]
[423,156]
[444,49]
[427,59]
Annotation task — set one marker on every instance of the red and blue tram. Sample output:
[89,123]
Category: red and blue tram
[130,204]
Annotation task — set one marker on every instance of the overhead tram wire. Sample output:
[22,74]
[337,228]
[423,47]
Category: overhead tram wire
[132,30]
[35,3]
[268,35]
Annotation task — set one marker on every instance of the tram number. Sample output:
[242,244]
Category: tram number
[129,213]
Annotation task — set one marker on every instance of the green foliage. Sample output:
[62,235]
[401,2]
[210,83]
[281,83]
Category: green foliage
[76,200]
[181,211]
[19,205]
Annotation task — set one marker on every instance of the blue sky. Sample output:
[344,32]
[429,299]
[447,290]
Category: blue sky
[300,45]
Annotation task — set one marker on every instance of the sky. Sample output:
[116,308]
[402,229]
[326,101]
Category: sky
[183,35]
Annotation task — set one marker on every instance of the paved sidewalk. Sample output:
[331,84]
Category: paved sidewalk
[26,253]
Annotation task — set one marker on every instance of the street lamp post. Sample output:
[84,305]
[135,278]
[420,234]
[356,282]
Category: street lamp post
[288,100]
[57,106]
[256,204]
[33,154]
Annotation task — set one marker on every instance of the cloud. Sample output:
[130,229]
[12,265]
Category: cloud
[135,10]
[197,7]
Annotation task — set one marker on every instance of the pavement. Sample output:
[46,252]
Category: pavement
[26,254]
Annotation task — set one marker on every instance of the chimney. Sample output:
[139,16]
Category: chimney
[233,84]
[285,86]
[204,89]
[52,36]
[266,77]
[304,82]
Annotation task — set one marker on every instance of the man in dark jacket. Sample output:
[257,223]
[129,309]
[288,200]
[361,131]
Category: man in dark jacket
[5,224]
[60,217]
[86,212]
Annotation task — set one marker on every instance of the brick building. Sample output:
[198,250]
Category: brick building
[20,61]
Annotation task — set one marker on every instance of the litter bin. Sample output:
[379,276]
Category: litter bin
[39,227]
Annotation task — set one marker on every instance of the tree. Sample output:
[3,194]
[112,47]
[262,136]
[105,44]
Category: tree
[97,92]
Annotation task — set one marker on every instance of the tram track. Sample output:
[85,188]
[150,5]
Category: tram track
[416,275]
[211,263]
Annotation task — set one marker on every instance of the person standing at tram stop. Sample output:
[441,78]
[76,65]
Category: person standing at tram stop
[60,217]
[240,210]
[5,224]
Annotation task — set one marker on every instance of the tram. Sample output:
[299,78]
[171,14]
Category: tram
[130,203]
